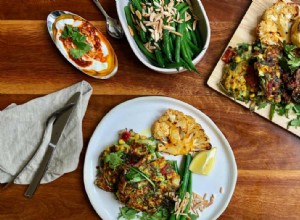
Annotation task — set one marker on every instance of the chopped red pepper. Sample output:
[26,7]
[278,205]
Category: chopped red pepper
[228,55]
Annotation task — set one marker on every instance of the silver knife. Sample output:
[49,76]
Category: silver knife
[58,127]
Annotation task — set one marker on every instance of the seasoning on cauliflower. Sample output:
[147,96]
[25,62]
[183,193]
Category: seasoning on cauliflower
[179,133]
[276,22]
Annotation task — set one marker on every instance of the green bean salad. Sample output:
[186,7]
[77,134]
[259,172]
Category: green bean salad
[166,31]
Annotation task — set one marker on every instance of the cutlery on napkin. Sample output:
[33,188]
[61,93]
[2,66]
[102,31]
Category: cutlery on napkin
[23,131]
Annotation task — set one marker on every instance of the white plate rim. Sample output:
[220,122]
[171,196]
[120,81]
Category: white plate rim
[167,99]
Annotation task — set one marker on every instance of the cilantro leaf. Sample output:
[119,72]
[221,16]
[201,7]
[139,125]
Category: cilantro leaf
[133,176]
[77,53]
[127,213]
[114,159]
[79,40]
[262,105]
[161,214]
[290,61]
[295,122]
[296,109]
[140,174]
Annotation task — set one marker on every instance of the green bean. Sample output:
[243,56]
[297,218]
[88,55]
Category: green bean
[166,45]
[186,175]
[196,50]
[172,217]
[173,36]
[181,5]
[139,43]
[194,38]
[173,65]
[199,38]
[137,5]
[184,9]
[189,190]
[159,58]
[175,166]
[186,56]
[180,29]
[128,17]
[141,32]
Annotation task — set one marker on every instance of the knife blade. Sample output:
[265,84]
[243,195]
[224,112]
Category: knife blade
[58,126]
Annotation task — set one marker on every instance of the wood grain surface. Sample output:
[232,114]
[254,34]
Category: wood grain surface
[267,156]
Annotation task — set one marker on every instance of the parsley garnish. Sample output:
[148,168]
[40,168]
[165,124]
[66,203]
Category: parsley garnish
[114,159]
[135,175]
[290,61]
[160,214]
[127,213]
[79,40]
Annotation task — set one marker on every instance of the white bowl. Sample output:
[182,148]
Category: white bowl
[203,25]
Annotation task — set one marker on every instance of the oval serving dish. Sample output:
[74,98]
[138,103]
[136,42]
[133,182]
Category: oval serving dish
[82,44]
[203,25]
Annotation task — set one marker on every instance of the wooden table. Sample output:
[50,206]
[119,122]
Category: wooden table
[268,157]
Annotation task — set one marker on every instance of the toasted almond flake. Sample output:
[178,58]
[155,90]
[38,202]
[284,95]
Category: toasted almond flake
[156,44]
[176,33]
[130,31]
[187,16]
[160,26]
[178,16]
[133,19]
[149,23]
[157,17]
[222,190]
[156,4]
[152,16]
[151,30]
[143,27]
[170,28]
[131,9]
[157,9]
[156,36]
[166,13]
[194,24]
[138,14]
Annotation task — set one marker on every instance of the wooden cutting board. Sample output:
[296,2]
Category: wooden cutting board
[246,33]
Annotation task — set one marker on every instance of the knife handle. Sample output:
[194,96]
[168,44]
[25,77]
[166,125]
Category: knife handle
[40,172]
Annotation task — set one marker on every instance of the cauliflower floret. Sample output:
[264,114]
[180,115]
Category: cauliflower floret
[179,133]
[276,22]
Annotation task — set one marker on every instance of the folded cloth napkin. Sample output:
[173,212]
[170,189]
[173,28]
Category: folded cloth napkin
[23,130]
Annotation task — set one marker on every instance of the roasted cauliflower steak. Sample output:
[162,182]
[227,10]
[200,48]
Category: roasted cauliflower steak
[179,134]
[274,27]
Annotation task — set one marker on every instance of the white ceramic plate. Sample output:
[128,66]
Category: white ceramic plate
[204,27]
[139,114]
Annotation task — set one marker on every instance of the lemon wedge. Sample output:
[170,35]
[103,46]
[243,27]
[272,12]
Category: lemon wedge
[203,162]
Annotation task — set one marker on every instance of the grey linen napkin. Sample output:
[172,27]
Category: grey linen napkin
[23,130]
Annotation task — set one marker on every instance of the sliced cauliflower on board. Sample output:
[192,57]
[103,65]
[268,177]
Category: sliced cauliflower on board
[276,23]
